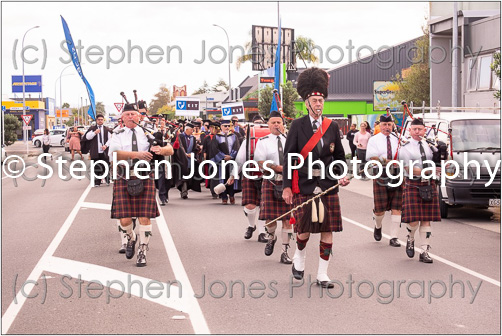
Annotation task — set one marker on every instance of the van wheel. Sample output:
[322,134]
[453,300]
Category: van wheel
[443,207]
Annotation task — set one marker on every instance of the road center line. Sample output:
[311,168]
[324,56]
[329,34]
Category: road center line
[438,258]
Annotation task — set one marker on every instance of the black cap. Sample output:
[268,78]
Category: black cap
[257,117]
[275,114]
[417,121]
[197,123]
[215,124]
[129,107]
[223,122]
[189,124]
[386,118]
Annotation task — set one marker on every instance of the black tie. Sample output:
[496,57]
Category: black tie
[318,146]
[99,135]
[389,148]
[422,152]
[281,151]
[134,144]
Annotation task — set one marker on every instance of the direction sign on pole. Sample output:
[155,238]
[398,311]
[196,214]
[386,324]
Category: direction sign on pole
[232,110]
[119,106]
[187,107]
[27,118]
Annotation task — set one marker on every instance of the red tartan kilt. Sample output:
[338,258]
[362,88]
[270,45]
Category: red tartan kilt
[332,219]
[127,206]
[415,209]
[250,194]
[384,200]
[270,208]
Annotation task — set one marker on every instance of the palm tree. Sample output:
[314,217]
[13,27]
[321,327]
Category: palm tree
[304,50]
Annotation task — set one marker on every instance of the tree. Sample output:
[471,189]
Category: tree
[12,125]
[416,86]
[100,108]
[162,98]
[289,96]
[495,66]
[304,47]
[66,105]
[217,87]
[203,89]
[167,111]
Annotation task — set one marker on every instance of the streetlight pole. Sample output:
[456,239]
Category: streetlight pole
[229,77]
[60,96]
[25,132]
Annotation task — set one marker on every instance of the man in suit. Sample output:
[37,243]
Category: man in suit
[188,141]
[323,215]
[99,141]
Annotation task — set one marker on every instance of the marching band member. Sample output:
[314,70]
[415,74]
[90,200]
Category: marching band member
[418,213]
[133,199]
[313,133]
[383,147]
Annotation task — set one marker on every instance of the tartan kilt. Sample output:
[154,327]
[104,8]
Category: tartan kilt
[250,194]
[271,208]
[385,200]
[332,219]
[415,209]
[127,206]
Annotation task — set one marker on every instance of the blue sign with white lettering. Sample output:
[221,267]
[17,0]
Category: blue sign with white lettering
[181,105]
[226,111]
[31,84]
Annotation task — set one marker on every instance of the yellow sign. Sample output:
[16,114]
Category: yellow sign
[383,96]
[32,104]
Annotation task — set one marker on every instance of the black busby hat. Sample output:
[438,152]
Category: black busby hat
[129,107]
[313,82]
[418,121]
[386,118]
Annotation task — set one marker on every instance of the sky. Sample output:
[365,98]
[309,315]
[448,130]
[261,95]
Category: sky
[189,25]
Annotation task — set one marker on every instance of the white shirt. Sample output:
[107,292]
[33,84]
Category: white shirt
[267,148]
[123,141]
[411,151]
[377,146]
[91,135]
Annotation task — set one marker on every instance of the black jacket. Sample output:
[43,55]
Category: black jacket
[300,133]
[92,145]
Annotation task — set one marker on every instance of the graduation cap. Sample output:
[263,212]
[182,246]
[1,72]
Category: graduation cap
[214,123]
[189,125]
[225,122]
[197,123]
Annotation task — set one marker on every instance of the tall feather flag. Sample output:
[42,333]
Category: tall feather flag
[277,68]
[74,57]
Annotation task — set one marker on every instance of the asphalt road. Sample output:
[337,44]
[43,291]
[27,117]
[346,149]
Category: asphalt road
[203,277]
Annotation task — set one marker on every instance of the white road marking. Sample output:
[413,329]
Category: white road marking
[105,275]
[13,309]
[438,258]
[199,323]
[101,206]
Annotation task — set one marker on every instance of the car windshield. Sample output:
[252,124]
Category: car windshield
[476,135]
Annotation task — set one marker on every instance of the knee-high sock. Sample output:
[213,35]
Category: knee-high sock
[425,236]
[325,250]
[129,231]
[251,216]
[123,236]
[286,234]
[411,230]
[378,220]
[145,232]
[270,228]
[394,228]
[260,224]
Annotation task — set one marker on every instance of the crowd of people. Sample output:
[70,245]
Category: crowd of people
[311,205]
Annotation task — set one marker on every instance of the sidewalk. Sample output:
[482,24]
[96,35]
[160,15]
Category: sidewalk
[19,148]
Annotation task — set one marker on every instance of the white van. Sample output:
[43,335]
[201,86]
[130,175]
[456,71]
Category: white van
[476,136]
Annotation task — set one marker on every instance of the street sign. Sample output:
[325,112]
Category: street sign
[231,110]
[3,108]
[187,107]
[119,106]
[26,128]
[209,98]
[27,119]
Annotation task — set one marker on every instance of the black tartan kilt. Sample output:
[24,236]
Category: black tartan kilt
[250,195]
[127,206]
[332,219]
[415,209]
[385,200]
[271,208]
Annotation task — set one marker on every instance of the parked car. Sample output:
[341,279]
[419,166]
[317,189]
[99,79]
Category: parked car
[38,132]
[57,138]
[475,136]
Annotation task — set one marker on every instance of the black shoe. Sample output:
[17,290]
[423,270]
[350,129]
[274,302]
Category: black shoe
[425,258]
[285,258]
[123,249]
[269,248]
[262,238]
[410,247]
[131,245]
[298,275]
[377,234]
[249,232]
[163,202]
[325,284]
[141,262]
[394,243]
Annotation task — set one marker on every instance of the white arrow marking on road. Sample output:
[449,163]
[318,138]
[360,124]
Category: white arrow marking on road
[438,258]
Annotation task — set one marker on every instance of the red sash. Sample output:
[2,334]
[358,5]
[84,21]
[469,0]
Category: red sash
[307,149]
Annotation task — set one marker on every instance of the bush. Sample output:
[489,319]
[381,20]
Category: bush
[12,124]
